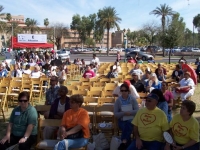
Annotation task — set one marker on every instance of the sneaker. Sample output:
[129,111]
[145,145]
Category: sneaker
[122,146]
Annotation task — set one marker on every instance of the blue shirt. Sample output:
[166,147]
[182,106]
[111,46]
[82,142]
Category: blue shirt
[164,107]
[3,73]
[52,94]
[158,86]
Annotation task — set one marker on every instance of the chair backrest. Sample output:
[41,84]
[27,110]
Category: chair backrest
[110,86]
[84,93]
[42,108]
[94,93]
[88,100]
[106,100]
[96,88]
[107,94]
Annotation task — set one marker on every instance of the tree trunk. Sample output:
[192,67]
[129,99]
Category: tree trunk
[108,37]
[170,50]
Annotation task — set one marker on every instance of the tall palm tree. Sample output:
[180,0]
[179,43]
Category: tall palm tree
[108,18]
[46,22]
[31,25]
[164,11]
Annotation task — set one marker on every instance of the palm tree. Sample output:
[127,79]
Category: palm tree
[108,18]
[46,22]
[8,17]
[164,11]
[31,25]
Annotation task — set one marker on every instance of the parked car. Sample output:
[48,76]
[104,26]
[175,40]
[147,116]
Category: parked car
[176,49]
[186,50]
[63,54]
[195,50]
[143,55]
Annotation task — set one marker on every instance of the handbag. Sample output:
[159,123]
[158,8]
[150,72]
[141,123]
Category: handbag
[76,135]
[183,90]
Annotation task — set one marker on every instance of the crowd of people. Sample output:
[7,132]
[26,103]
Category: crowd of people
[147,121]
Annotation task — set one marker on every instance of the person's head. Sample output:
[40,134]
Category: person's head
[1,67]
[187,75]
[61,67]
[159,93]
[76,101]
[148,72]
[23,100]
[67,60]
[154,77]
[82,60]
[160,71]
[164,86]
[27,67]
[94,56]
[187,108]
[111,68]
[63,90]
[177,67]
[124,89]
[136,75]
[182,62]
[159,65]
[88,68]
[151,58]
[151,101]
[92,66]
[53,81]
[37,68]
[137,66]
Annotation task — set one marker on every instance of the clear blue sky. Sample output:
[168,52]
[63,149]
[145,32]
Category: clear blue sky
[134,13]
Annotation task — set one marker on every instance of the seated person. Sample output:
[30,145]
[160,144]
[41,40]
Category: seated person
[112,73]
[136,82]
[169,98]
[153,83]
[151,60]
[164,71]
[88,73]
[177,73]
[186,88]
[27,70]
[119,69]
[132,90]
[137,69]
[36,73]
[161,76]
[184,128]
[131,60]
[146,76]
[75,121]
[125,117]
[22,127]
[149,124]
[139,60]
[3,71]
[16,72]
[59,106]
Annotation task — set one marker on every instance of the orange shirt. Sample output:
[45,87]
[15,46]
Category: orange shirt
[71,119]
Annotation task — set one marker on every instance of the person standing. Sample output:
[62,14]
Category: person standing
[95,60]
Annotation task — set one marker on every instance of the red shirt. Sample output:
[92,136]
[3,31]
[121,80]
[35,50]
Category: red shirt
[89,74]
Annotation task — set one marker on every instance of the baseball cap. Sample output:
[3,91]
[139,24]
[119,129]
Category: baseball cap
[153,96]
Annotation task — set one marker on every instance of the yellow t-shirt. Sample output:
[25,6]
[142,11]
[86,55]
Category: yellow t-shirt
[151,124]
[184,131]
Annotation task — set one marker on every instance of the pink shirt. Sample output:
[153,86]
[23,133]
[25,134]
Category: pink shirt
[168,95]
[89,74]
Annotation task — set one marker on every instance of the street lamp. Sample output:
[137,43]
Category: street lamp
[125,44]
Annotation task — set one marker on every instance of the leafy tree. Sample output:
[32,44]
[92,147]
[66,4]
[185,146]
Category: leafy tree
[8,17]
[164,11]
[108,18]
[46,22]
[31,25]
[188,37]
[16,28]
[89,42]
[98,32]
[196,23]
[61,31]
[131,36]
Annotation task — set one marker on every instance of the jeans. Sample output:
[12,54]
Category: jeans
[71,143]
[193,147]
[127,129]
[169,115]
[149,145]
[23,146]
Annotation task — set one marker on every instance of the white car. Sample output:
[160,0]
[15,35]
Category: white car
[195,50]
[63,54]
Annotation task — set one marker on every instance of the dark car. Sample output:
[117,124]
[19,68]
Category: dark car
[186,50]
[145,56]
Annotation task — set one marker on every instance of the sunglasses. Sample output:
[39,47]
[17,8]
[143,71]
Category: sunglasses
[124,90]
[23,101]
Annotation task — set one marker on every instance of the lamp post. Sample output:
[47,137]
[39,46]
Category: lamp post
[125,44]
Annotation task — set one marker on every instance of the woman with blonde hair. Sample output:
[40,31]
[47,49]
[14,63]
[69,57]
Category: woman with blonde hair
[153,83]
[36,73]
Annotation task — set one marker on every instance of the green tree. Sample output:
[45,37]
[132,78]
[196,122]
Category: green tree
[89,42]
[164,11]
[108,18]
[16,28]
[188,37]
[46,22]
[98,32]
[8,17]
[32,25]
[196,23]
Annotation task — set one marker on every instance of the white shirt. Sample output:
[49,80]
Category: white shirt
[18,74]
[95,60]
[35,74]
[132,89]
[61,108]
[27,71]
[188,82]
